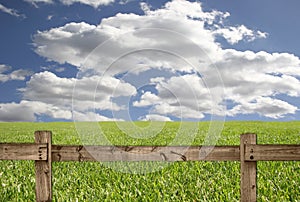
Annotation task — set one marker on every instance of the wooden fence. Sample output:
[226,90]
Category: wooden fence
[248,153]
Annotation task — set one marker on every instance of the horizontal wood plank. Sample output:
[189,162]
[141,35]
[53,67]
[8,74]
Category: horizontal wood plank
[28,151]
[23,151]
[272,152]
[144,153]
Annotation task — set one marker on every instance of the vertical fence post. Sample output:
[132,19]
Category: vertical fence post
[43,169]
[248,171]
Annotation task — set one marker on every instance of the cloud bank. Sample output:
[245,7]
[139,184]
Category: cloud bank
[163,59]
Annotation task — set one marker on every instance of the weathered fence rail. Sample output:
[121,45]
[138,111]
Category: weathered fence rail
[248,153]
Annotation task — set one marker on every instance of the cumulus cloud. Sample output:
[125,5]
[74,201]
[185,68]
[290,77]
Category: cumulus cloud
[179,27]
[154,117]
[29,110]
[128,32]
[180,40]
[74,40]
[247,77]
[171,99]
[7,75]
[11,11]
[147,99]
[46,94]
[90,92]
[264,106]
[250,80]
[235,34]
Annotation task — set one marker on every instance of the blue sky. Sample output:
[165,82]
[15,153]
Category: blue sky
[101,60]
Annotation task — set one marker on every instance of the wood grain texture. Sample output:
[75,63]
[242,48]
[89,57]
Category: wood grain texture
[145,153]
[14,151]
[43,169]
[248,153]
[272,152]
[248,170]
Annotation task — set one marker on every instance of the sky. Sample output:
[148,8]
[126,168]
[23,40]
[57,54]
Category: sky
[105,60]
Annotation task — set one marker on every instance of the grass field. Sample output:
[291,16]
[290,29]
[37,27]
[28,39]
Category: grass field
[181,181]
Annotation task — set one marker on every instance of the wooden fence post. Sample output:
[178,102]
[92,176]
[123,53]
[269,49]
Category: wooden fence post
[248,171]
[43,169]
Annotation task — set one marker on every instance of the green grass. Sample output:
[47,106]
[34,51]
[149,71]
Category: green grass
[180,181]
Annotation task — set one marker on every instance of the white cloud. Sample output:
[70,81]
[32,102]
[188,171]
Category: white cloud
[171,99]
[129,32]
[122,2]
[77,40]
[86,93]
[93,3]
[91,116]
[4,68]
[11,11]
[235,34]
[177,39]
[29,110]
[39,1]
[147,99]
[145,7]
[74,40]
[248,75]
[19,74]
[155,117]
[250,80]
[265,106]
[47,94]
